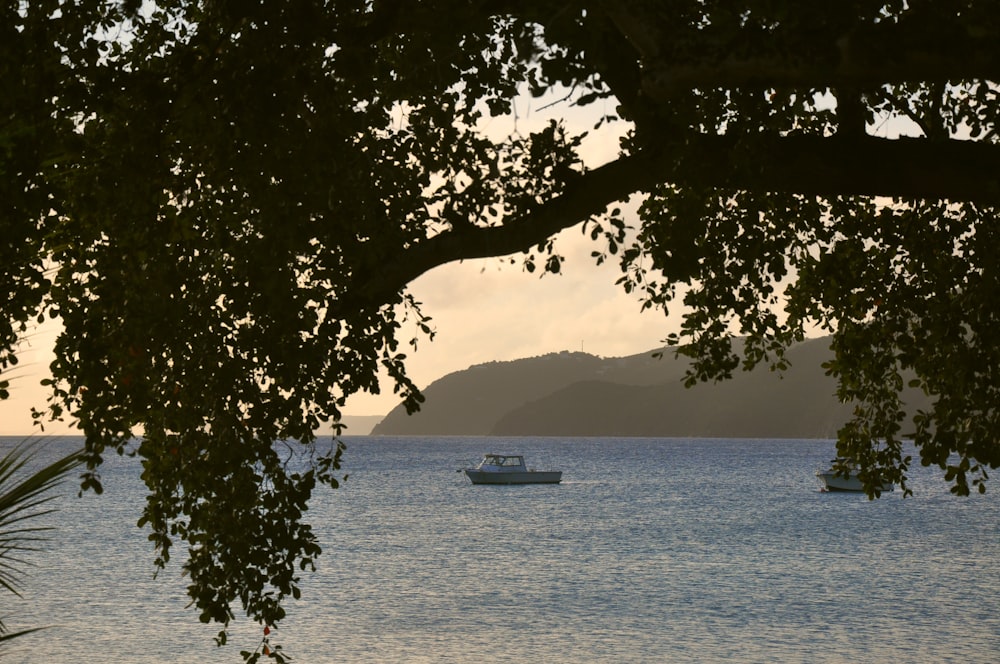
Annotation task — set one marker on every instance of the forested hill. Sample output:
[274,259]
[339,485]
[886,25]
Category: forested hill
[576,394]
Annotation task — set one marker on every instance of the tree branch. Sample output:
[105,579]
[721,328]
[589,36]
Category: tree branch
[915,168]
[867,58]
[809,165]
[590,194]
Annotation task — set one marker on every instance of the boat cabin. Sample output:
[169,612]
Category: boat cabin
[502,462]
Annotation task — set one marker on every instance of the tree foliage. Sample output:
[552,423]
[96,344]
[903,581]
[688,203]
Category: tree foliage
[225,201]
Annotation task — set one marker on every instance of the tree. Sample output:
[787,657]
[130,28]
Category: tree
[235,195]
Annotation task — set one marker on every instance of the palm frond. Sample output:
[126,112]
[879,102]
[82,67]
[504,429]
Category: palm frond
[23,499]
[6,636]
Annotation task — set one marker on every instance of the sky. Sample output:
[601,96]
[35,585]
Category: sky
[482,311]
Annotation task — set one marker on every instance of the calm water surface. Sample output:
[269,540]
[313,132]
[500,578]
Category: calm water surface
[651,550]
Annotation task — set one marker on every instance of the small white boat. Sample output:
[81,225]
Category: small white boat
[510,469]
[833,481]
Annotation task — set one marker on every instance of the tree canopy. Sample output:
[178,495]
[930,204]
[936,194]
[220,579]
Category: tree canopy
[224,201]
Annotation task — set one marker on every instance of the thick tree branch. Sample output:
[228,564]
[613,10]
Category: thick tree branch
[865,59]
[590,194]
[867,166]
[809,165]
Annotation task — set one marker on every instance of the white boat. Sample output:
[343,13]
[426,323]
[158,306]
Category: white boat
[833,481]
[510,469]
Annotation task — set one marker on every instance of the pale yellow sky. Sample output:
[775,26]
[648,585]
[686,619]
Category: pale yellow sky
[34,357]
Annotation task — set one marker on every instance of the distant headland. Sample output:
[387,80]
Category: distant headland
[577,394]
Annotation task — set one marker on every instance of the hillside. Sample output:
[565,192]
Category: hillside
[576,394]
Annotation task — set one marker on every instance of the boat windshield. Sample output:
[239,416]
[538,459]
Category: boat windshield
[503,461]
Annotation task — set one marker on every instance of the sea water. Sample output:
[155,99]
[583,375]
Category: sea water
[651,550]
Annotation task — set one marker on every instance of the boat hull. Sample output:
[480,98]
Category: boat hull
[515,477]
[852,483]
